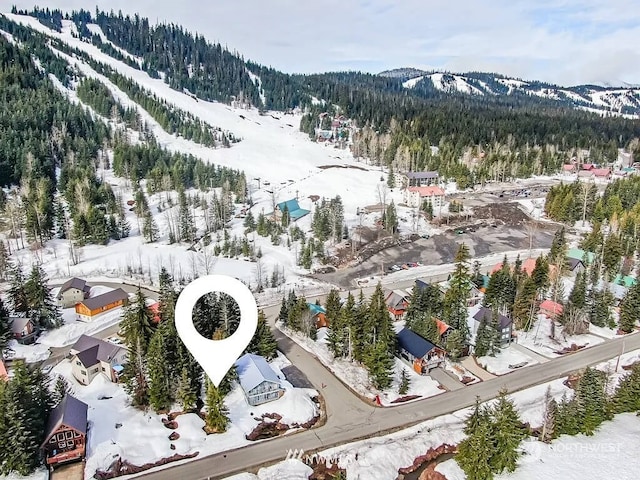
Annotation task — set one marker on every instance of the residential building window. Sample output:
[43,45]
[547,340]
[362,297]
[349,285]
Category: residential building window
[83,372]
[79,363]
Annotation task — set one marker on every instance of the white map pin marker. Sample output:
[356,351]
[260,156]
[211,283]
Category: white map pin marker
[216,357]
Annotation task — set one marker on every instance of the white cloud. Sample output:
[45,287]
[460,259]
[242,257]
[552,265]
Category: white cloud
[562,41]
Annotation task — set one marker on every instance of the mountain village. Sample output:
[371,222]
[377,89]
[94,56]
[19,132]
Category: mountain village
[405,317]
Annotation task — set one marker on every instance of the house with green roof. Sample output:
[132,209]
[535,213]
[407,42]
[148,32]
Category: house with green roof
[291,206]
[626,280]
[579,254]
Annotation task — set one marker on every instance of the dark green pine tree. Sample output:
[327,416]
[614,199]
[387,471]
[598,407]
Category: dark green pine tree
[599,308]
[558,247]
[483,339]
[578,295]
[135,374]
[137,323]
[630,309]
[263,342]
[380,365]
[592,400]
[455,300]
[186,393]
[5,327]
[159,372]
[405,382]
[61,388]
[249,222]
[284,312]
[476,451]
[455,345]
[549,418]
[568,417]
[508,432]
[149,227]
[333,306]
[44,311]
[380,322]
[17,290]
[216,416]
[627,396]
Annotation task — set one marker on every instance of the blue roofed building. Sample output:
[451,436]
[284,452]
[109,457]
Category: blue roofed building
[418,352]
[295,212]
[258,380]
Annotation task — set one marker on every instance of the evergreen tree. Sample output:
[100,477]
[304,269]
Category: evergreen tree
[5,328]
[17,291]
[578,295]
[186,393]
[627,396]
[524,305]
[160,388]
[249,222]
[284,312]
[475,452]
[61,389]
[405,381]
[380,322]
[149,228]
[379,363]
[216,419]
[599,308]
[587,409]
[455,300]
[455,345]
[137,323]
[44,311]
[483,339]
[549,418]
[630,309]
[558,247]
[507,432]
[263,342]
[135,375]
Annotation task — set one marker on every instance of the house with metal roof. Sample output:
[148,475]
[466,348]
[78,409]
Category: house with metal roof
[292,207]
[421,179]
[72,291]
[92,356]
[626,280]
[318,315]
[586,257]
[23,330]
[504,323]
[418,352]
[397,302]
[258,380]
[551,309]
[66,432]
[88,309]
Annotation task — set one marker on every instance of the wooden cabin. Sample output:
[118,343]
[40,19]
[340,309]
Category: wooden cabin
[66,433]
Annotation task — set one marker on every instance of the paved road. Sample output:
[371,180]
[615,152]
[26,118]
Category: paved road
[351,419]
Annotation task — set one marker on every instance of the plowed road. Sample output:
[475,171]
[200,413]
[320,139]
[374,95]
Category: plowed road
[349,418]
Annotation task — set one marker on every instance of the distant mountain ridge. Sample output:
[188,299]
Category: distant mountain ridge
[615,100]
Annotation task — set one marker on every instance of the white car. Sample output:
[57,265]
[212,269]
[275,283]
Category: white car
[47,369]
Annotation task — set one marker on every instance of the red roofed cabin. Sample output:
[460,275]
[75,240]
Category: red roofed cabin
[154,308]
[569,168]
[66,432]
[602,172]
[551,309]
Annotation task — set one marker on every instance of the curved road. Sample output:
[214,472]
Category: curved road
[349,418]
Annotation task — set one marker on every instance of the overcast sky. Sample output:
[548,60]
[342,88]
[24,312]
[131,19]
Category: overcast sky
[561,41]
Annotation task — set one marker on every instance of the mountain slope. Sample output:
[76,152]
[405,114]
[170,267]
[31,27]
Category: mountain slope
[620,101]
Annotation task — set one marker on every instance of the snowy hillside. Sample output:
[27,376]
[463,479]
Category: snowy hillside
[621,101]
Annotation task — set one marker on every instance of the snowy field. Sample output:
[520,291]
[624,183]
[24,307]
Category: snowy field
[615,445]
[356,376]
[117,429]
[506,360]
[539,338]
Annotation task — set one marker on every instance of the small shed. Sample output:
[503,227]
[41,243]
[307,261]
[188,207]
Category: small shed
[318,314]
[258,380]
[23,330]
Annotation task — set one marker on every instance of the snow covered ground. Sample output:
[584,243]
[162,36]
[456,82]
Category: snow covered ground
[540,341]
[117,429]
[573,458]
[505,361]
[356,376]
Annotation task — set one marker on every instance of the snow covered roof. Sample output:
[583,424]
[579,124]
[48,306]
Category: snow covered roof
[253,370]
